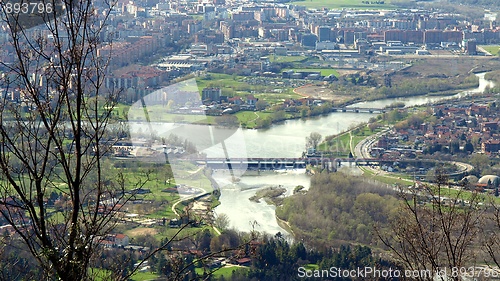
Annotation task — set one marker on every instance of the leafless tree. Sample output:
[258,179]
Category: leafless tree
[53,137]
[491,234]
[313,140]
[436,230]
[56,122]
[222,221]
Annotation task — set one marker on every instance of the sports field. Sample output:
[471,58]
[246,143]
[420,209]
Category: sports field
[278,59]
[492,49]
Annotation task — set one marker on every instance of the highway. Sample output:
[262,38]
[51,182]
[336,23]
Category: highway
[362,150]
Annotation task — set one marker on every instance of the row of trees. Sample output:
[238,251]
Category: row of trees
[422,87]
[495,77]
[280,113]
[277,259]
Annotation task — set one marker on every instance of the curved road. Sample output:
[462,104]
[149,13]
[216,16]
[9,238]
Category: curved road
[190,198]
[362,150]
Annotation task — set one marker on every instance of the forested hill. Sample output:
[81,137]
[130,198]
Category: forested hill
[339,208]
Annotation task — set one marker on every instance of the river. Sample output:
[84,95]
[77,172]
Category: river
[412,101]
[286,139]
[281,140]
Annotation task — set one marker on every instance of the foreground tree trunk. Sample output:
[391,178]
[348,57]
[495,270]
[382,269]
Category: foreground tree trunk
[52,137]
[436,231]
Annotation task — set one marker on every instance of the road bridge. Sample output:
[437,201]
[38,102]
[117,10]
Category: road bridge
[359,109]
[329,163]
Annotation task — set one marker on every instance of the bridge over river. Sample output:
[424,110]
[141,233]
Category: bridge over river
[359,109]
[330,164]
[293,163]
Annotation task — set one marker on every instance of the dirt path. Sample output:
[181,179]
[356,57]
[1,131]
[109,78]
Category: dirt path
[319,92]
[299,90]
[186,199]
[257,117]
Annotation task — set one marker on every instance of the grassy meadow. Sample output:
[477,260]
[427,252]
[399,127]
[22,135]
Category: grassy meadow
[492,49]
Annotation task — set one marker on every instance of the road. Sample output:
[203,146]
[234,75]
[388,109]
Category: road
[362,149]
[191,197]
[186,199]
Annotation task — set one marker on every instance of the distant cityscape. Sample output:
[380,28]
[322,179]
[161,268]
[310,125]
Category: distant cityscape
[149,43]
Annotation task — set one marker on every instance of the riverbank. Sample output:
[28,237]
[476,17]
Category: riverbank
[288,140]
[242,212]
[265,119]
[342,144]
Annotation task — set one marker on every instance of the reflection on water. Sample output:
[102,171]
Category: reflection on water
[281,140]
[420,100]
[288,140]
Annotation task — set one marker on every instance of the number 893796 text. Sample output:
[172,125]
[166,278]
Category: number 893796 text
[26,8]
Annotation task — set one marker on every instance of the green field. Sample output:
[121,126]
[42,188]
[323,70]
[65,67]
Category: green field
[248,119]
[102,274]
[278,59]
[273,98]
[387,179]
[221,80]
[225,271]
[492,49]
[339,145]
[335,4]
[324,71]
[143,276]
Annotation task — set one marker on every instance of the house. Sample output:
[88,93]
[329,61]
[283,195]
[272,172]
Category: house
[251,100]
[306,101]
[235,100]
[243,261]
[115,240]
[489,126]
[477,110]
[121,240]
[490,146]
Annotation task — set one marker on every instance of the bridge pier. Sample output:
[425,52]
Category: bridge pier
[330,164]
